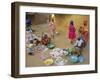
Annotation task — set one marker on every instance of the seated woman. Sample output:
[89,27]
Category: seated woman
[45,39]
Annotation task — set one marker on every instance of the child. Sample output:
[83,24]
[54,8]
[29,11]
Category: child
[72,34]
[80,30]
[30,48]
[52,28]
[79,45]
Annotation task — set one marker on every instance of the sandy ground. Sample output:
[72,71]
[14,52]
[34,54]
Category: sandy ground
[60,40]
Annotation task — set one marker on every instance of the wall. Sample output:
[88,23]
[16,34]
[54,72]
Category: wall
[38,18]
[5,40]
[63,21]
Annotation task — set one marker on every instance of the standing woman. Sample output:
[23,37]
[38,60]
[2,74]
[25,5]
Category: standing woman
[85,31]
[52,28]
[72,33]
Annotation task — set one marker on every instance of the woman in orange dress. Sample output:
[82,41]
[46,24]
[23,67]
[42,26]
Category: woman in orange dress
[85,31]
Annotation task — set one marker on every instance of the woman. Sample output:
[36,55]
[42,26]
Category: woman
[72,33]
[45,40]
[52,28]
[85,31]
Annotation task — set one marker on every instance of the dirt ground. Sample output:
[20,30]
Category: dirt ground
[60,40]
